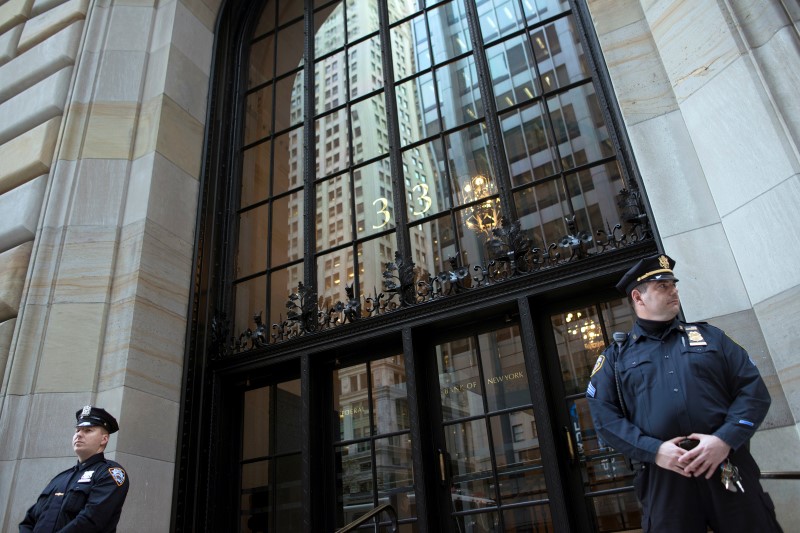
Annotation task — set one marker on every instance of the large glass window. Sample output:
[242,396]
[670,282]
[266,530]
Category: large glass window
[422,135]
[271,495]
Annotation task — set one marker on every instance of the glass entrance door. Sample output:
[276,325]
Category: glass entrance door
[581,334]
[491,461]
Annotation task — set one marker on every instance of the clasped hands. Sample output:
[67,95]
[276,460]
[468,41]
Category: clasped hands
[703,459]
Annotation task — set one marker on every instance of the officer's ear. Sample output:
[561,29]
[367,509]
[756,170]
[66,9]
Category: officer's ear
[104,440]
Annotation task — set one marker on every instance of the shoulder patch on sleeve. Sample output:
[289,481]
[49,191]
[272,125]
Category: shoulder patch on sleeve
[118,474]
[598,365]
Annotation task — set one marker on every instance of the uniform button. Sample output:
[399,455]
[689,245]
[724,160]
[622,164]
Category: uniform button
[671,371]
[674,390]
[666,357]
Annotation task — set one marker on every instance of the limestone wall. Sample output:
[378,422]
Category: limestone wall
[102,111]
[708,94]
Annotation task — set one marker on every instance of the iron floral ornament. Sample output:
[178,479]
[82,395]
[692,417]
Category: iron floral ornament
[511,253]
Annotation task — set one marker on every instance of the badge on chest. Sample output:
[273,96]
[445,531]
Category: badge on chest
[86,477]
[695,337]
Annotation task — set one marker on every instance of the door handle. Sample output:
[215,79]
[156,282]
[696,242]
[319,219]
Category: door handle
[570,445]
[442,473]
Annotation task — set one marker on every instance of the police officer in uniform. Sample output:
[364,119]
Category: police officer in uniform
[681,401]
[88,496]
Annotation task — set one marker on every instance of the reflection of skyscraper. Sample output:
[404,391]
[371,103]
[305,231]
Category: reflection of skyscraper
[370,200]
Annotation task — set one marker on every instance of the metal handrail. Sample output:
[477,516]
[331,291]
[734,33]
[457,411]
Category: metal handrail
[374,512]
[780,475]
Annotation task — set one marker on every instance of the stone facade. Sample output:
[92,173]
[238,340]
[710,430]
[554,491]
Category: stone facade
[102,111]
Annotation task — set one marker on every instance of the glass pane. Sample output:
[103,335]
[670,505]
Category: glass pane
[288,415]
[267,20]
[440,238]
[333,152]
[372,258]
[366,69]
[354,482]
[253,236]
[255,496]
[475,225]
[426,187]
[513,76]
[329,82]
[333,213]
[536,519]
[351,403]
[289,493]
[255,173]
[405,54]
[459,379]
[373,191]
[283,283]
[542,211]
[579,140]
[289,10]
[470,465]
[362,19]
[370,133]
[389,397]
[528,144]
[504,369]
[536,10]
[287,229]
[479,523]
[579,339]
[288,171]
[403,8]
[498,18]
[329,22]
[449,31]
[594,198]
[289,101]
[416,104]
[459,92]
[258,115]
[251,299]
[519,467]
[332,277]
[290,47]
[395,474]
[617,512]
[262,61]
[468,159]
[255,421]
[559,54]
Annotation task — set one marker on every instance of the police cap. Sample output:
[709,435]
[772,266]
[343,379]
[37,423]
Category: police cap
[96,416]
[655,268]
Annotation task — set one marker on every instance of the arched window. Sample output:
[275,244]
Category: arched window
[395,152]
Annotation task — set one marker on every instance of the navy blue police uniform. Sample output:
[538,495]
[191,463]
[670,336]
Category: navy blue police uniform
[85,498]
[687,378]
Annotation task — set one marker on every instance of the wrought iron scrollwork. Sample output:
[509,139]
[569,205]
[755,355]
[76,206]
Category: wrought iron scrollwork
[511,252]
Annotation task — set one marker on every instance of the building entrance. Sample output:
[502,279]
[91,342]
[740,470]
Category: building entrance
[488,432]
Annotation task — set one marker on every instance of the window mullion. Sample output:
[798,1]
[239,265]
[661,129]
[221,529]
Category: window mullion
[395,160]
[309,150]
[493,131]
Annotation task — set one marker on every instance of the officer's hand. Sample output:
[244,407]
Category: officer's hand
[706,456]
[669,454]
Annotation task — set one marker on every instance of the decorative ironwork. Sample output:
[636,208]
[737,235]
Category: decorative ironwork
[511,252]
[634,216]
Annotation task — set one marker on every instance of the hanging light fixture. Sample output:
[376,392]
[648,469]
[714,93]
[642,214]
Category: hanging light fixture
[483,217]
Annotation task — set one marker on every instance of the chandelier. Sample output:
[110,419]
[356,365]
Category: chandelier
[483,217]
[585,329]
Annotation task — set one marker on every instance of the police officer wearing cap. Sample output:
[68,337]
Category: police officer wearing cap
[89,496]
[681,401]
